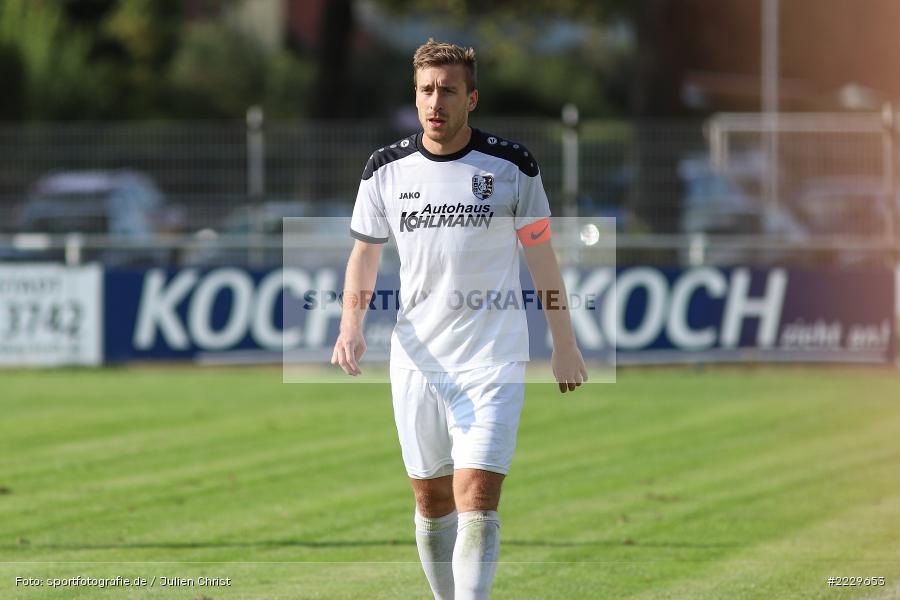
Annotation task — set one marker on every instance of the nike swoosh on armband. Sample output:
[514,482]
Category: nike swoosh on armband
[537,235]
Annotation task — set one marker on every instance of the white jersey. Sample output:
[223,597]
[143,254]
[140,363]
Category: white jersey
[454,218]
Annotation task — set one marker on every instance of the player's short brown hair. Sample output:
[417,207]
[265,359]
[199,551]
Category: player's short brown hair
[435,54]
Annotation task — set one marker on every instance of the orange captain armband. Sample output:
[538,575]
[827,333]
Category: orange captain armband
[536,233]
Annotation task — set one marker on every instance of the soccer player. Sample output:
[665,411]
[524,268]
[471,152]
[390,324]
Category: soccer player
[458,202]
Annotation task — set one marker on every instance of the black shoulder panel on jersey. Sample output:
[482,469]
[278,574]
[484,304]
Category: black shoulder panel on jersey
[514,152]
[388,154]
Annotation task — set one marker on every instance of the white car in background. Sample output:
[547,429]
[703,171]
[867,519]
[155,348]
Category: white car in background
[844,205]
[125,207]
[847,209]
[713,204]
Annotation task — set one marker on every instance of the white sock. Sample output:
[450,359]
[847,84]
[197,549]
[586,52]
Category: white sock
[476,553]
[435,538]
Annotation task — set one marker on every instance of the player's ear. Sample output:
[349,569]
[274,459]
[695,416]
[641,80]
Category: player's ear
[473,100]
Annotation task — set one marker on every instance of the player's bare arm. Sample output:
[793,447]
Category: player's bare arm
[567,363]
[359,283]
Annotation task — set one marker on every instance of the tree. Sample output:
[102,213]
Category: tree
[216,72]
[141,37]
[58,78]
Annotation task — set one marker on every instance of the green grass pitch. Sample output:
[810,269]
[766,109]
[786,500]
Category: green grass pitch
[671,483]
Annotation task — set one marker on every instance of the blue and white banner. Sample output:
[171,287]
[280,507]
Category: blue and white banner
[673,315]
[647,314]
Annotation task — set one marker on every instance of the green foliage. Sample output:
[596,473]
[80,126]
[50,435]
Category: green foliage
[59,80]
[516,75]
[143,29]
[142,59]
[464,9]
[287,84]
[146,33]
[217,72]
[138,60]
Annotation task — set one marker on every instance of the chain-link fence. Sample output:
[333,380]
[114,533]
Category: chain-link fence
[680,191]
[204,166]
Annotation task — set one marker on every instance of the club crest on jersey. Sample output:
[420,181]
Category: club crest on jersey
[483,186]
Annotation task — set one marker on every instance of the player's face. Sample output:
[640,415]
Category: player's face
[443,102]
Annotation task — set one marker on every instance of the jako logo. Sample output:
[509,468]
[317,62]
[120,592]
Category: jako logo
[252,309]
[409,195]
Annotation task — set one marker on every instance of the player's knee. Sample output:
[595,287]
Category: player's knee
[479,498]
[432,496]
[430,506]
[478,490]
[434,500]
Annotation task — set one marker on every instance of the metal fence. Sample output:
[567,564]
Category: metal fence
[203,166]
[665,182]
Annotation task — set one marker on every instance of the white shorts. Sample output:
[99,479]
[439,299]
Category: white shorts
[458,420]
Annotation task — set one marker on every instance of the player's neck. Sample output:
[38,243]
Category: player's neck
[459,141]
